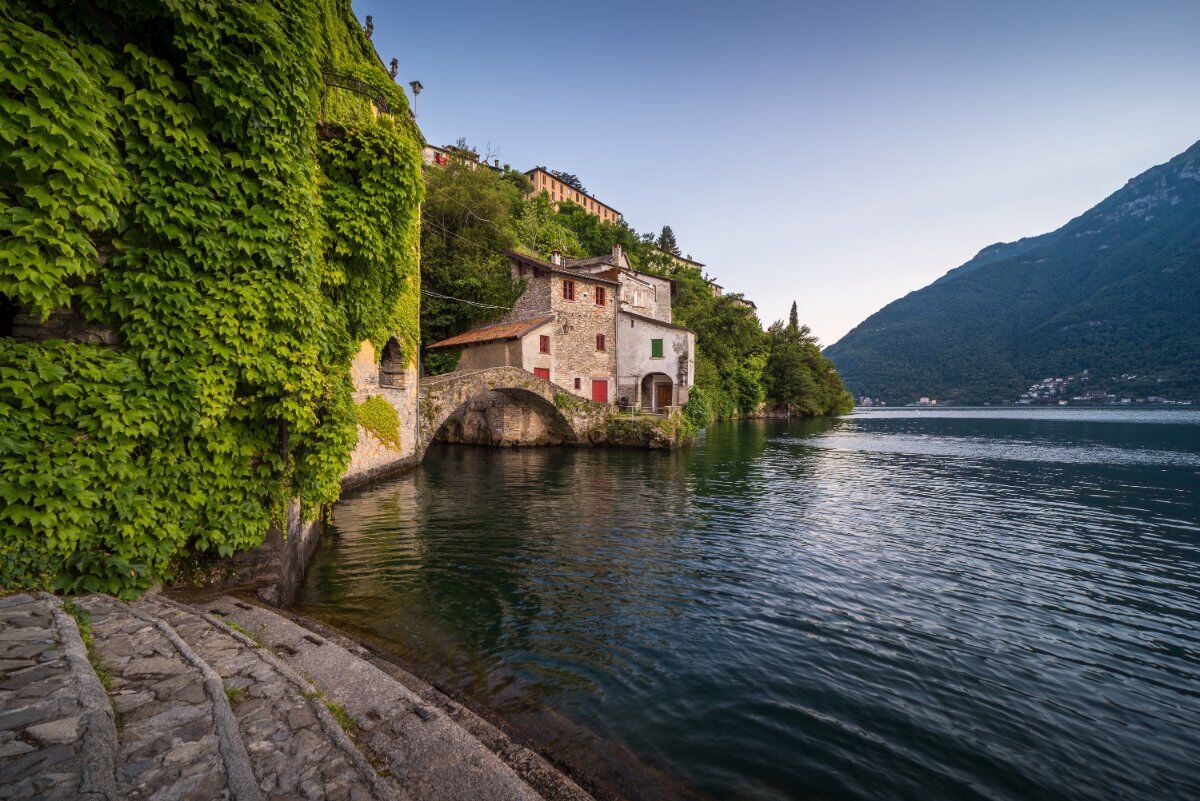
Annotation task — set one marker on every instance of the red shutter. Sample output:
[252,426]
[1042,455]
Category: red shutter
[600,298]
[544,343]
[600,390]
[542,373]
[599,341]
[568,290]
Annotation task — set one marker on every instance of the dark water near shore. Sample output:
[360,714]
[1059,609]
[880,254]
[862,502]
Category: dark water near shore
[900,604]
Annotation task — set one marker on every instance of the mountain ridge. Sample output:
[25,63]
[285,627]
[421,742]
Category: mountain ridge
[1114,290]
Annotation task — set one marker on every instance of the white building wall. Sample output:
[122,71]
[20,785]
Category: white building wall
[635,360]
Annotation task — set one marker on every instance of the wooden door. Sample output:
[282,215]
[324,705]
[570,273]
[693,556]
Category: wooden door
[600,390]
[662,396]
[542,373]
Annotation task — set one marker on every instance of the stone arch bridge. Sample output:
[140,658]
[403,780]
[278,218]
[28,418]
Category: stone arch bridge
[504,406]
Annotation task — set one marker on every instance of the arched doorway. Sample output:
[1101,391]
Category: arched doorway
[657,392]
[392,369]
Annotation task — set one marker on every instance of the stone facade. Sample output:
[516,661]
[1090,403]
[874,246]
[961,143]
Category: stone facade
[575,311]
[649,375]
[394,378]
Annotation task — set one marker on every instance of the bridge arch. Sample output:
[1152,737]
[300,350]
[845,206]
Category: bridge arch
[448,397]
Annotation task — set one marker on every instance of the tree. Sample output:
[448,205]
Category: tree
[666,241]
[797,376]
[570,179]
[466,227]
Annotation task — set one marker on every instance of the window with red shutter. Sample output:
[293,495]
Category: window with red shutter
[542,373]
[600,297]
[544,343]
[568,290]
[599,341]
[578,382]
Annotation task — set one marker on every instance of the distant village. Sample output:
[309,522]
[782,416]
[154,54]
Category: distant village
[1066,391]
[1071,389]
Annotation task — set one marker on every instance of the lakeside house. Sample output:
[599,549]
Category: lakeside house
[594,326]
[655,357]
[562,329]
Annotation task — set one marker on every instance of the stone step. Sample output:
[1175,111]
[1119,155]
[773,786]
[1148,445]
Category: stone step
[177,738]
[431,756]
[296,747]
[57,738]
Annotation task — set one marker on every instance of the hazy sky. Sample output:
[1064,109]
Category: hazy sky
[840,154]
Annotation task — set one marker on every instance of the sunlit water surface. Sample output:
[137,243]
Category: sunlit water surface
[908,604]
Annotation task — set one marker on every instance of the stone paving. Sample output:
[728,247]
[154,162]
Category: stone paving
[168,744]
[244,706]
[430,753]
[57,739]
[296,748]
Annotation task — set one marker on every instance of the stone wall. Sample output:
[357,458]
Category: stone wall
[534,301]
[371,457]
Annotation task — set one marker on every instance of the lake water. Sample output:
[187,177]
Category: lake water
[905,604]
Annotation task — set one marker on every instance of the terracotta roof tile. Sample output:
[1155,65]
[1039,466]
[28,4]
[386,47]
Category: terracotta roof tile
[493,333]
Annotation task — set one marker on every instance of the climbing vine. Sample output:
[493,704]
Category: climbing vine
[179,175]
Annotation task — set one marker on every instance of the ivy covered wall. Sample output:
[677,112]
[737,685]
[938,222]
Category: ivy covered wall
[180,174]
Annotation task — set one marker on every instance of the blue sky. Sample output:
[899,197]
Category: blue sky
[837,154]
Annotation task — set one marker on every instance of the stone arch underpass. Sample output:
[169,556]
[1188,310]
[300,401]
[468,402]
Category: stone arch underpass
[451,399]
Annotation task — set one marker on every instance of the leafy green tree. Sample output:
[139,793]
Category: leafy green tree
[539,228]
[466,227]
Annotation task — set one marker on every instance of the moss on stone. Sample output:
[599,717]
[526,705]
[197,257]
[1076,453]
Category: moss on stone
[379,417]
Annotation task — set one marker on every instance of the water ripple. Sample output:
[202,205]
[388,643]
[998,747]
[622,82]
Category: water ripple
[932,604]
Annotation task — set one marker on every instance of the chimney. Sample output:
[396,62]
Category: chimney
[616,252]
[556,258]
[496,163]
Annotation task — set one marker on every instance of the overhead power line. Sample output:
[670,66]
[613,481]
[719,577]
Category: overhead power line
[431,293]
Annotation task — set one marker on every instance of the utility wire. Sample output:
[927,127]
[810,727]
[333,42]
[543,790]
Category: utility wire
[431,293]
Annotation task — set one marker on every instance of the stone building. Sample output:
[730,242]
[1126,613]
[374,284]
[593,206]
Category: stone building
[544,181]
[562,329]
[656,359]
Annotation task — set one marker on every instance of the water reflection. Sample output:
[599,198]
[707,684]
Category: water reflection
[894,605]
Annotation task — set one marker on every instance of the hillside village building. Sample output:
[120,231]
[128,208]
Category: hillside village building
[559,191]
[561,329]
[656,359]
[593,326]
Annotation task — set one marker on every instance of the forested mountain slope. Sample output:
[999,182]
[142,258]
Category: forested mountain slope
[1115,290]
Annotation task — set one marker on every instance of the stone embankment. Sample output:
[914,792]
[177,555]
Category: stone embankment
[153,700]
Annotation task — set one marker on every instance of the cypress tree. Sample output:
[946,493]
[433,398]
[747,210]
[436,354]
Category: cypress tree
[666,241]
[794,319]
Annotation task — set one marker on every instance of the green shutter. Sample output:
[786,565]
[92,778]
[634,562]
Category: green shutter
[656,349]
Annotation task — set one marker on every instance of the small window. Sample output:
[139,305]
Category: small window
[600,296]
[599,341]
[568,290]
[656,348]
[544,344]
[578,382]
